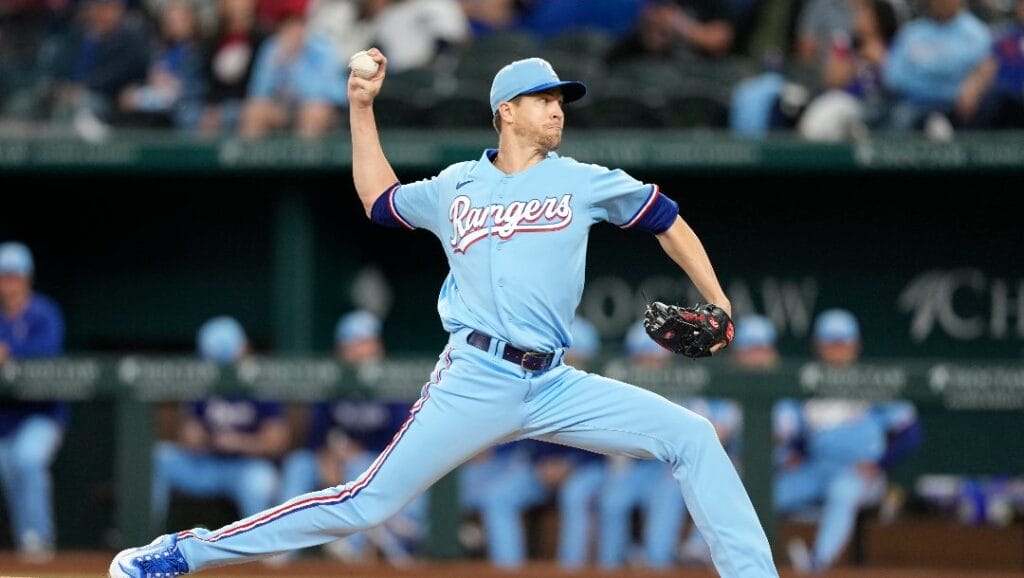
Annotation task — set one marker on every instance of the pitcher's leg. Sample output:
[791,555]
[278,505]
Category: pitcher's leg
[601,414]
[454,420]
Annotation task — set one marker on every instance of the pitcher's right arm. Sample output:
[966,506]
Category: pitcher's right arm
[371,170]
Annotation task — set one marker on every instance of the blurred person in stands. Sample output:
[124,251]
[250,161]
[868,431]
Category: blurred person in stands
[350,25]
[346,436]
[206,13]
[31,326]
[227,445]
[846,445]
[231,56]
[854,98]
[644,484]
[173,92]
[550,18]
[820,24]
[993,95]
[490,16]
[928,64]
[502,484]
[414,32]
[23,27]
[297,81]
[105,52]
[666,27]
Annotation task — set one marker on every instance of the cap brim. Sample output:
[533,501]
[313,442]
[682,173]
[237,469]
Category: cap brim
[572,90]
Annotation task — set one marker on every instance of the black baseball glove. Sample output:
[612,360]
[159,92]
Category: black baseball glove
[690,331]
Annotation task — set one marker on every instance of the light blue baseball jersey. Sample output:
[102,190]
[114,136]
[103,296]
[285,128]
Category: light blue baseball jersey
[492,225]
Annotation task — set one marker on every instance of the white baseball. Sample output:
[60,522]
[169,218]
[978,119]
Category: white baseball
[363,65]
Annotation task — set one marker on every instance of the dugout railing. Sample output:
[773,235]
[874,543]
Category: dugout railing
[971,411]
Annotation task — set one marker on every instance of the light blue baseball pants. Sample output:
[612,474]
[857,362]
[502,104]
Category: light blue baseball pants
[473,400]
[299,474]
[25,458]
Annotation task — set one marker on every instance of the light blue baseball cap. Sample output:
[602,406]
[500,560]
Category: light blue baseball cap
[221,339]
[585,341]
[638,343]
[529,76]
[754,331]
[836,326]
[15,259]
[355,326]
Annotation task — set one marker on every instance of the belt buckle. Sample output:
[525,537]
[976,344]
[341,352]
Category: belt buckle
[527,355]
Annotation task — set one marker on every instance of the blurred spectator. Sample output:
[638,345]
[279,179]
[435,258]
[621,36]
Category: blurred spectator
[993,95]
[486,16]
[23,26]
[205,13]
[231,58]
[667,26]
[345,438]
[823,23]
[227,446]
[173,93]
[272,13]
[854,98]
[413,32]
[31,326]
[645,484]
[297,81]
[103,54]
[930,59]
[350,25]
[753,345]
[844,447]
[548,18]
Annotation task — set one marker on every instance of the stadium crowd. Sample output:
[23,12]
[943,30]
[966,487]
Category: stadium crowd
[826,69]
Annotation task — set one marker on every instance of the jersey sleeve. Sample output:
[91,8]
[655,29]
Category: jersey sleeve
[628,203]
[412,206]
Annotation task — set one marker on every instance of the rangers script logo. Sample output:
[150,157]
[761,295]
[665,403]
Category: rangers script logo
[470,224]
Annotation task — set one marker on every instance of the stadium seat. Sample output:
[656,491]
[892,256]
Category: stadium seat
[695,109]
[397,110]
[464,109]
[621,108]
[583,42]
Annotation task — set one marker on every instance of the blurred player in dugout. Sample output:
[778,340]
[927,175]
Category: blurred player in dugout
[31,326]
[227,446]
[345,437]
[836,452]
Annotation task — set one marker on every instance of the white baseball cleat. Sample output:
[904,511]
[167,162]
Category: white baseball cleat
[158,559]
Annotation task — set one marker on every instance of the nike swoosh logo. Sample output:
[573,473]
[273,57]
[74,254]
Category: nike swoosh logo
[462,184]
